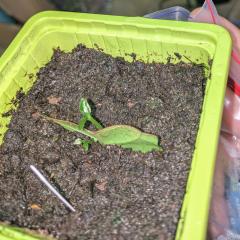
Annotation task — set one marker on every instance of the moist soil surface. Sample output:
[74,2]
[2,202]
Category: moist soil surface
[118,194]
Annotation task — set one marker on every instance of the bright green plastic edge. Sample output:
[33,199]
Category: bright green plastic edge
[14,233]
[151,40]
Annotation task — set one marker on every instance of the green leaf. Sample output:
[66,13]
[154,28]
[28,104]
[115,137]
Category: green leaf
[117,134]
[128,137]
[84,107]
[143,144]
[73,127]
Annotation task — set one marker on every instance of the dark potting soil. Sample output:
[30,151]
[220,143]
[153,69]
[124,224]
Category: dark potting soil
[118,194]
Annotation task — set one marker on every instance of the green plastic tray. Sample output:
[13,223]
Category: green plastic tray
[151,40]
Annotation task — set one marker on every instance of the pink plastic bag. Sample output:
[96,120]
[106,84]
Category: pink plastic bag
[224,215]
[231,113]
[208,14]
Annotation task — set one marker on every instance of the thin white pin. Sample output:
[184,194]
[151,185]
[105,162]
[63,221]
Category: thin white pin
[51,188]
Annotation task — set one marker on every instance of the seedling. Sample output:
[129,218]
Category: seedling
[121,135]
[85,143]
[85,110]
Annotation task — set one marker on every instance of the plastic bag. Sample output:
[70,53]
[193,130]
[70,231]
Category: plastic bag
[208,13]
[231,120]
[224,217]
[173,13]
[224,214]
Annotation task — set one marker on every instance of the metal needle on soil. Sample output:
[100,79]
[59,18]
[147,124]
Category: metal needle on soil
[51,188]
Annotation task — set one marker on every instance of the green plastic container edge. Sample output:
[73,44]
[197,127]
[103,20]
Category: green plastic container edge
[15,233]
[199,185]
